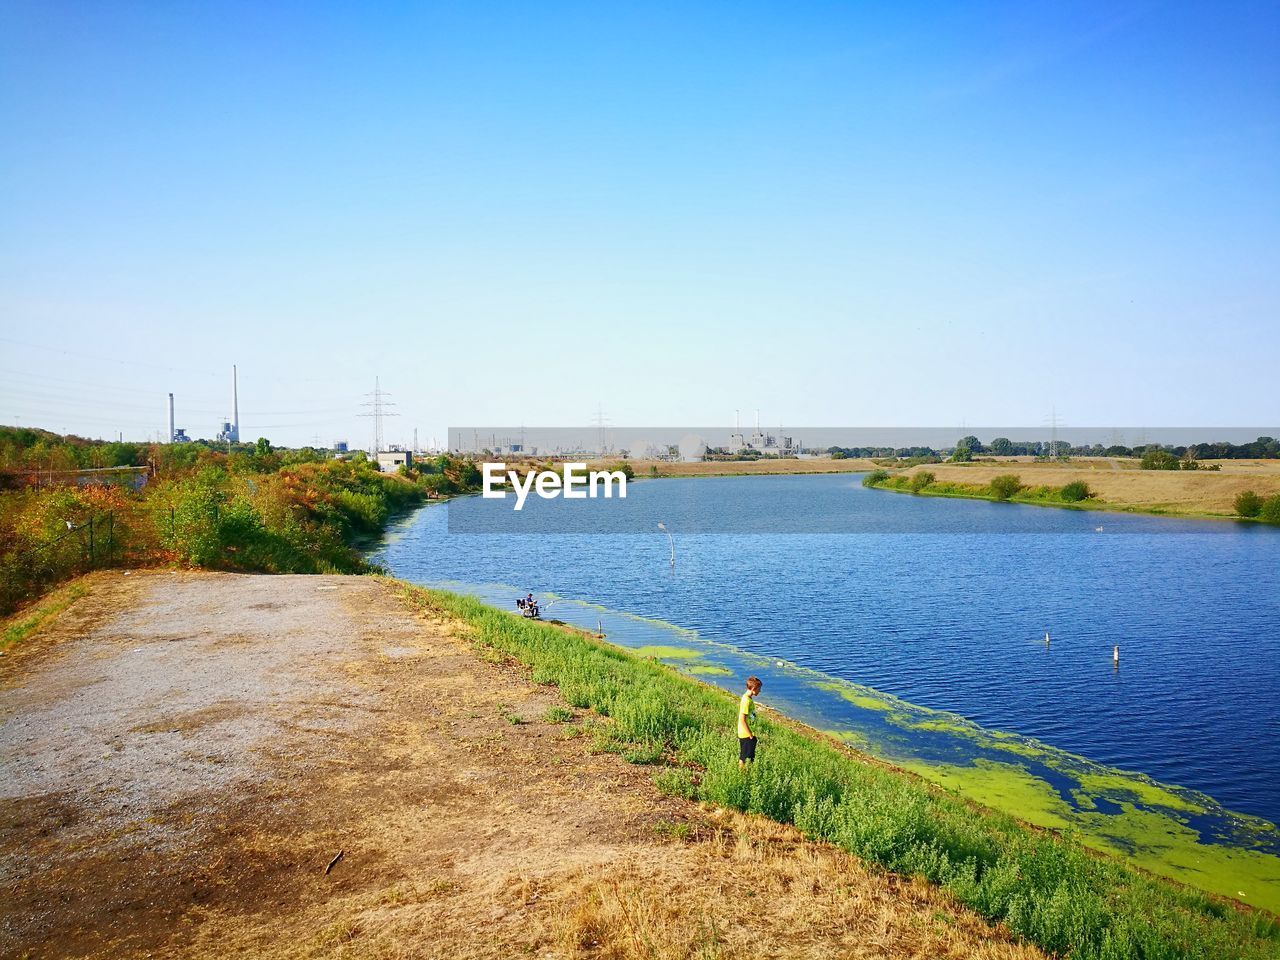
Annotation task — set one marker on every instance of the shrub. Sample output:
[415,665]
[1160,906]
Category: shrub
[1248,504]
[875,477]
[1270,512]
[1005,486]
[921,480]
[1075,491]
[676,782]
[1158,459]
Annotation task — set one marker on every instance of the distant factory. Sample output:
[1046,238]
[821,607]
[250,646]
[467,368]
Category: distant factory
[176,434]
[761,442]
[230,432]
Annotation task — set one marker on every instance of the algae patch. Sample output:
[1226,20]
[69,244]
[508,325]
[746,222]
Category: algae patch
[660,652]
[1007,787]
[859,697]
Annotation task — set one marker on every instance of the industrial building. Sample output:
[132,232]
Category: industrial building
[176,434]
[389,461]
[230,432]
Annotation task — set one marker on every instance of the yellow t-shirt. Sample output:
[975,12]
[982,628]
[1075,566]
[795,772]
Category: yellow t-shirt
[746,714]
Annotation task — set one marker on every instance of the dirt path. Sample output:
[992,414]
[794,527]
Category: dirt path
[183,754]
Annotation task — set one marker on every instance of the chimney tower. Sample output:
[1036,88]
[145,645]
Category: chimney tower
[171,418]
[235,406]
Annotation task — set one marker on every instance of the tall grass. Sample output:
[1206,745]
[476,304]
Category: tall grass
[1046,888]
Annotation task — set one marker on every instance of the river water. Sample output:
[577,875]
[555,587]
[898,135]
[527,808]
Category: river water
[873,614]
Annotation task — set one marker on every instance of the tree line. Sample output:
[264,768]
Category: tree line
[1156,456]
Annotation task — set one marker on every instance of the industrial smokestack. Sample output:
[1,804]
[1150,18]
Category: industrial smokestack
[235,405]
[171,418]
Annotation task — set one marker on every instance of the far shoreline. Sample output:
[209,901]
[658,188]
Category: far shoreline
[1118,486]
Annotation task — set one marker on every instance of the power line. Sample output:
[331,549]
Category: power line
[100,358]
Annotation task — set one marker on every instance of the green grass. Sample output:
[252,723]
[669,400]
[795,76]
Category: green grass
[23,626]
[1045,887]
[673,830]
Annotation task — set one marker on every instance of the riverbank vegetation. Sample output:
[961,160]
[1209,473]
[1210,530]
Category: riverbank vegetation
[255,509]
[1251,506]
[1005,487]
[1113,485]
[1046,888]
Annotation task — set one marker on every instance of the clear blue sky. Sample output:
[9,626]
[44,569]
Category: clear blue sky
[839,213]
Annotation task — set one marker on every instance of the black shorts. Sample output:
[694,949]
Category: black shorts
[746,748]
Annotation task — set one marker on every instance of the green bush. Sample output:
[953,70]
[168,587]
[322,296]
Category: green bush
[1075,491]
[921,480]
[1270,511]
[676,782]
[1248,504]
[875,477]
[1158,459]
[1005,486]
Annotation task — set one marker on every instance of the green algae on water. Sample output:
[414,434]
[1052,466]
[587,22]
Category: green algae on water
[660,652]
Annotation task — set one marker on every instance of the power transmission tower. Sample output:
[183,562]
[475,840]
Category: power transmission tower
[602,423]
[1053,423]
[379,403]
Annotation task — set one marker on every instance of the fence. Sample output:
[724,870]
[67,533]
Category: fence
[97,542]
[135,478]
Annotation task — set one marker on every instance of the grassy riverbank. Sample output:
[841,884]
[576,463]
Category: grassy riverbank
[1047,888]
[1107,485]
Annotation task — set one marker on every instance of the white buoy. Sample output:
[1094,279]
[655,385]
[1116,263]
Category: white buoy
[1046,638]
[1115,654]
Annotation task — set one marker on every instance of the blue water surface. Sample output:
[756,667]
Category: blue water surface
[941,602]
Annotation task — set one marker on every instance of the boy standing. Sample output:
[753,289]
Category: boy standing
[747,722]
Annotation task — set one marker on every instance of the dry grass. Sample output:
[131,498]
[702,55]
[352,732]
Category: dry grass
[464,835]
[1120,484]
[747,888]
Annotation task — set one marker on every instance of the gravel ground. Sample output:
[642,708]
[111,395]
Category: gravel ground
[184,756]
